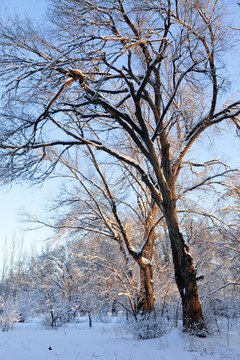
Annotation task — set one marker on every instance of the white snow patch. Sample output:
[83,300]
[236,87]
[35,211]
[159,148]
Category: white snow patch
[135,250]
[146,261]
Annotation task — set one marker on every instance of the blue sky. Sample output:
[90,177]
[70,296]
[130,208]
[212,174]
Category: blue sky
[21,198]
[33,8]
[33,200]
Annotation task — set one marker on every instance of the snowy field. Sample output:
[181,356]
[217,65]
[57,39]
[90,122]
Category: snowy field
[108,341]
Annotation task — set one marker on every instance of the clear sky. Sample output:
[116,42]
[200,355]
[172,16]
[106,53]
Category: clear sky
[33,8]
[33,200]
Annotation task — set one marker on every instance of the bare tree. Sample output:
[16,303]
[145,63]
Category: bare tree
[146,71]
[114,203]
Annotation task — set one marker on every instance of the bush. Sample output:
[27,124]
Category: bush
[9,314]
[148,326]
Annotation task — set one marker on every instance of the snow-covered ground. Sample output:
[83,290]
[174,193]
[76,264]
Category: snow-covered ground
[108,341]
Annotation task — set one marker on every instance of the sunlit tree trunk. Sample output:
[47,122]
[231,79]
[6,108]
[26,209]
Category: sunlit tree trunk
[146,297]
[185,275]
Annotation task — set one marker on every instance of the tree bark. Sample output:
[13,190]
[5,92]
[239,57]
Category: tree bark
[146,299]
[146,303]
[185,272]
[185,276]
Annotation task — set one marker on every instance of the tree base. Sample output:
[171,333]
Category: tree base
[196,331]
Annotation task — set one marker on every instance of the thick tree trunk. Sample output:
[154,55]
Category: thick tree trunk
[146,298]
[185,276]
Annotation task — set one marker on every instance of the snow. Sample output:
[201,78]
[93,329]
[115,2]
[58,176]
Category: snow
[109,341]
[146,261]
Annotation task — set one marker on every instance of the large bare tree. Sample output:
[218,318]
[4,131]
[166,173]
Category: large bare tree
[149,72]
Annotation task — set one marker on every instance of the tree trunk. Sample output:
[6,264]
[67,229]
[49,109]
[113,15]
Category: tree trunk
[146,303]
[89,320]
[185,276]
[146,299]
[53,321]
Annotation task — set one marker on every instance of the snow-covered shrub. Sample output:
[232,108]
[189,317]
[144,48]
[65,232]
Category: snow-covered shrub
[9,313]
[148,326]
[221,308]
